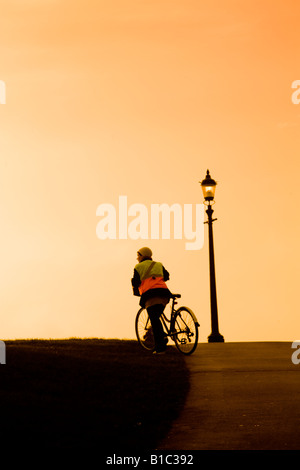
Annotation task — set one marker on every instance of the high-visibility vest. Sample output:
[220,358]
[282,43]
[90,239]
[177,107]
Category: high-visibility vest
[152,279]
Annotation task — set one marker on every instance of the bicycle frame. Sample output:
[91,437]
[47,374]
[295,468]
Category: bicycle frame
[165,320]
[181,326]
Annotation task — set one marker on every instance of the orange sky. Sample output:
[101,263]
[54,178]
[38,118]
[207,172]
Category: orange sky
[139,98]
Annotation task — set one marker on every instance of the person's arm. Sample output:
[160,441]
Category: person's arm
[136,282]
[166,274]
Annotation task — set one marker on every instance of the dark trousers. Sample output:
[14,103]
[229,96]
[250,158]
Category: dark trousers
[154,313]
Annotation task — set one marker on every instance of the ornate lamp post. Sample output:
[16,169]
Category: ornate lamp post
[208,187]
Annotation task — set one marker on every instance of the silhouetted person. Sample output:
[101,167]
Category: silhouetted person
[149,283]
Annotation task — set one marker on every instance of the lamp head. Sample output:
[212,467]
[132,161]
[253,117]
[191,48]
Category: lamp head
[208,187]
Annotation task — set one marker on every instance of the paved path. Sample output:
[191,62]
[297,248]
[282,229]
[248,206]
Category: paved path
[243,396]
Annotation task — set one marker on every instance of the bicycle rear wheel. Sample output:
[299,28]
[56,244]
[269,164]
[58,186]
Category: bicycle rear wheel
[185,330]
[143,330]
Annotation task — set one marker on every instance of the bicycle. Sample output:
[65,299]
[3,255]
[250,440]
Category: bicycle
[181,327]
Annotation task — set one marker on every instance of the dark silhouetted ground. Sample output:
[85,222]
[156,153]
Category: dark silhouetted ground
[88,394]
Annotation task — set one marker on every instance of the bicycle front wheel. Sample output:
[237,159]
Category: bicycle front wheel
[143,330]
[185,330]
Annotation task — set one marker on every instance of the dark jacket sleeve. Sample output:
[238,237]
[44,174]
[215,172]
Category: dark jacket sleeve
[136,282]
[166,274]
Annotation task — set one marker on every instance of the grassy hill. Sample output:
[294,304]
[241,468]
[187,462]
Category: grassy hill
[82,394]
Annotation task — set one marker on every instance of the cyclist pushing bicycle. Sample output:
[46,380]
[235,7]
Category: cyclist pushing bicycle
[152,325]
[149,282]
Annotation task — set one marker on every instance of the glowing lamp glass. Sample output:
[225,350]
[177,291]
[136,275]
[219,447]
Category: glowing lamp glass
[208,192]
[208,187]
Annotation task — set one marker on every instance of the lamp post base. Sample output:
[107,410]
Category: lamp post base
[215,338]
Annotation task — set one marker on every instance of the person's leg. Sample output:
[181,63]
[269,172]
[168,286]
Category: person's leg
[154,313]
